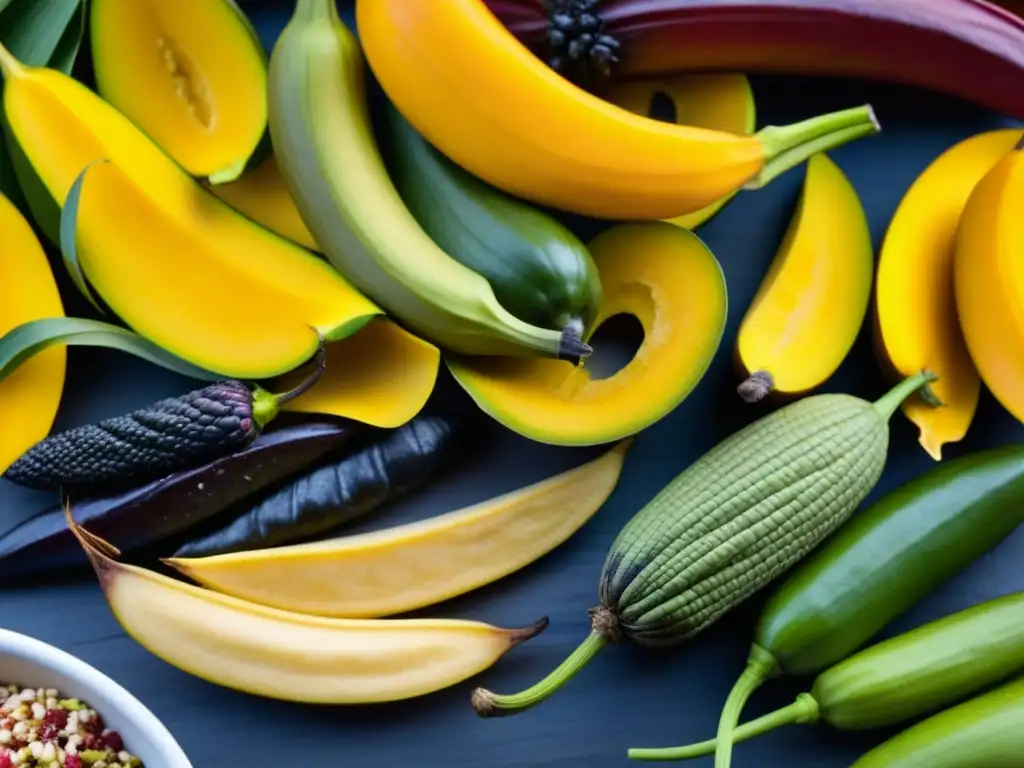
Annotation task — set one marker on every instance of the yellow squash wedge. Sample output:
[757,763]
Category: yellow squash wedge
[917,326]
[671,282]
[262,195]
[192,74]
[381,376]
[811,304]
[989,280]
[722,101]
[31,395]
[181,267]
[399,569]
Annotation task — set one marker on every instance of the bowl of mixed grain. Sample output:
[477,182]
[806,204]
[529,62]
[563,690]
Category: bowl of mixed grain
[56,711]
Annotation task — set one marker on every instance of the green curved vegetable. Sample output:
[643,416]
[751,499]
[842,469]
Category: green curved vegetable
[879,565]
[729,524]
[538,269]
[912,674]
[25,340]
[984,732]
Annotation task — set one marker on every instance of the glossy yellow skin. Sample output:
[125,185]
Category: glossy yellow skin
[179,266]
[811,304]
[31,395]
[720,101]
[262,195]
[665,277]
[292,656]
[410,566]
[190,73]
[989,280]
[917,326]
[481,97]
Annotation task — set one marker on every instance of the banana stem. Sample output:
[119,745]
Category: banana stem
[760,666]
[787,146]
[891,400]
[9,65]
[489,704]
[266,405]
[804,710]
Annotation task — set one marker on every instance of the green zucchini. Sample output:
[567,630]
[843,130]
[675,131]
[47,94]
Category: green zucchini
[539,270]
[883,562]
[904,677]
[729,524]
[984,732]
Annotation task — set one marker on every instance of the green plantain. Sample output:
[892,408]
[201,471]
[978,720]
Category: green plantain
[323,138]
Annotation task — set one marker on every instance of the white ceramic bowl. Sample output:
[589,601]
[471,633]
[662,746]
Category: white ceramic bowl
[35,664]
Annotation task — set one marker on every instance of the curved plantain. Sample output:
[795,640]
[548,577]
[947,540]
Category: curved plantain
[322,136]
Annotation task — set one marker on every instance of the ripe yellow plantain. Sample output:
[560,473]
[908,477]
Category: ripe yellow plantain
[292,656]
[410,566]
[487,102]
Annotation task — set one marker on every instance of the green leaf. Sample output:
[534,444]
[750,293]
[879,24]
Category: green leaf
[70,43]
[23,341]
[68,230]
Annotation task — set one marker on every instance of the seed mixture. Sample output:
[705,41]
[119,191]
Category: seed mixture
[38,727]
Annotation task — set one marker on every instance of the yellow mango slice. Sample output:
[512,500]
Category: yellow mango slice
[811,304]
[665,277]
[989,280]
[180,266]
[411,566]
[917,326]
[191,74]
[722,101]
[262,195]
[31,394]
[382,376]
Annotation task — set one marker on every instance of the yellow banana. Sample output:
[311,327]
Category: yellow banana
[410,566]
[486,101]
[292,656]
[988,273]
[327,154]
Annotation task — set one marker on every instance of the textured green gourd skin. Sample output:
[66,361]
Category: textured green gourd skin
[539,270]
[984,732]
[741,515]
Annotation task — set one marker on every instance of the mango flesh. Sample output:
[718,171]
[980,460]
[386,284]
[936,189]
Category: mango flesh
[177,264]
[811,304]
[665,277]
[262,195]
[917,325]
[720,101]
[31,394]
[191,74]
[989,280]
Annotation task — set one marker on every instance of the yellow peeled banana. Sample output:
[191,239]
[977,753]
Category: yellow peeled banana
[292,656]
[328,156]
[487,102]
[418,564]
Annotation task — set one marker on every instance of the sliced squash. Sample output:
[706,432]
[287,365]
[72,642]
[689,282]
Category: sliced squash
[180,266]
[387,393]
[721,101]
[262,195]
[30,395]
[192,74]
[670,281]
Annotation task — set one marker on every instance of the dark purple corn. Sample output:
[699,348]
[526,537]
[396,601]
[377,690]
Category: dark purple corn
[168,436]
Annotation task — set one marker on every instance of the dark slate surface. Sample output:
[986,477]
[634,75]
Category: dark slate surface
[626,697]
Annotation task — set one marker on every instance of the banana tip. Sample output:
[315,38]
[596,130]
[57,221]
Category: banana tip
[873,118]
[522,635]
[483,702]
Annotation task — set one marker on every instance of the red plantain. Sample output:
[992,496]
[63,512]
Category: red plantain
[971,49]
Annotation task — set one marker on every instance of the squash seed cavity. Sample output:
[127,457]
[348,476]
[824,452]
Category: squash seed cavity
[189,84]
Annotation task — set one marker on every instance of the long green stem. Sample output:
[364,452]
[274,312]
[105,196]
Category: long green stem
[887,404]
[786,146]
[489,704]
[802,711]
[760,666]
